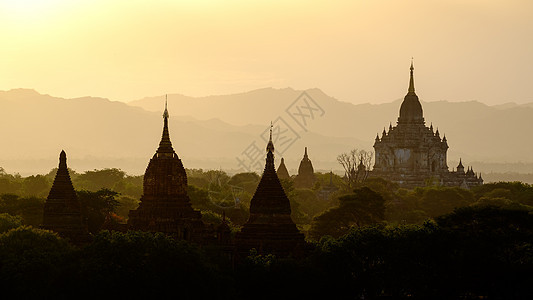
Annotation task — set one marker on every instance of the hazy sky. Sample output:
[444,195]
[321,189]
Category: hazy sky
[357,51]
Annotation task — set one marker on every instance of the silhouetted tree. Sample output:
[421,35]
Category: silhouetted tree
[30,209]
[362,207]
[8,222]
[97,206]
[356,165]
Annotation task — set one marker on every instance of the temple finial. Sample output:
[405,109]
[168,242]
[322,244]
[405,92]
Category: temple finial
[270,145]
[411,79]
[62,159]
[165,146]
[165,113]
[271,126]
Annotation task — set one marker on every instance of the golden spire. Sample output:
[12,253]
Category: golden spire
[165,146]
[411,79]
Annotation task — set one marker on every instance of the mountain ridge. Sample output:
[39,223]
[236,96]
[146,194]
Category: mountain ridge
[35,126]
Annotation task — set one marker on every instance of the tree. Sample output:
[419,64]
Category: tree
[97,206]
[99,179]
[436,201]
[32,261]
[37,185]
[30,209]
[357,165]
[140,264]
[362,207]
[8,222]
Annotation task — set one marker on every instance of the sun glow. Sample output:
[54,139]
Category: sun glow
[31,11]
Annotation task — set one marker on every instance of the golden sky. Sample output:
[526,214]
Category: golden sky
[357,51]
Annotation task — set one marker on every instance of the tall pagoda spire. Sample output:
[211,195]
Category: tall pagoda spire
[165,146]
[269,228]
[269,196]
[411,110]
[411,89]
[165,205]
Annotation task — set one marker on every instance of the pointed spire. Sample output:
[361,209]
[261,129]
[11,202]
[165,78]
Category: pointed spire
[384,133]
[62,159]
[269,195]
[377,137]
[62,188]
[431,127]
[437,134]
[269,166]
[305,153]
[390,126]
[62,210]
[460,167]
[270,145]
[282,172]
[444,138]
[411,79]
[165,113]
[165,146]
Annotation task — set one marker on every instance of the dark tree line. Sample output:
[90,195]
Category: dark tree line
[472,253]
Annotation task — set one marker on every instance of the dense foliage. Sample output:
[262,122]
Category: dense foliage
[472,253]
[373,241]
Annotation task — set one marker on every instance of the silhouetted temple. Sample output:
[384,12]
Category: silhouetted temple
[306,174]
[283,173]
[165,206]
[412,153]
[62,209]
[270,228]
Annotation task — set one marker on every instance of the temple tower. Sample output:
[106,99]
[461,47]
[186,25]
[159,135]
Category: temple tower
[62,209]
[165,206]
[270,228]
[283,173]
[411,153]
[306,174]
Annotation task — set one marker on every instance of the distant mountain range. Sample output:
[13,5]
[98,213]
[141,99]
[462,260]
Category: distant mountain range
[212,132]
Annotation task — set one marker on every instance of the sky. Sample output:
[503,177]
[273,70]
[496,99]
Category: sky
[357,51]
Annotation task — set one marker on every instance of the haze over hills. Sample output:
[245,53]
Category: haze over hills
[210,132]
[475,131]
[98,133]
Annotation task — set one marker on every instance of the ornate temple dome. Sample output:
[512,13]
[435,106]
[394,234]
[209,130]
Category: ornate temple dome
[411,109]
[412,154]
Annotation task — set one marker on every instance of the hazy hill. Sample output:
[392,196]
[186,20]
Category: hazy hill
[475,131]
[210,132]
[98,133]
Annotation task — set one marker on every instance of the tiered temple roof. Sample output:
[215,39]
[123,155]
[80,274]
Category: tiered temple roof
[412,153]
[306,174]
[165,206]
[270,228]
[62,209]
